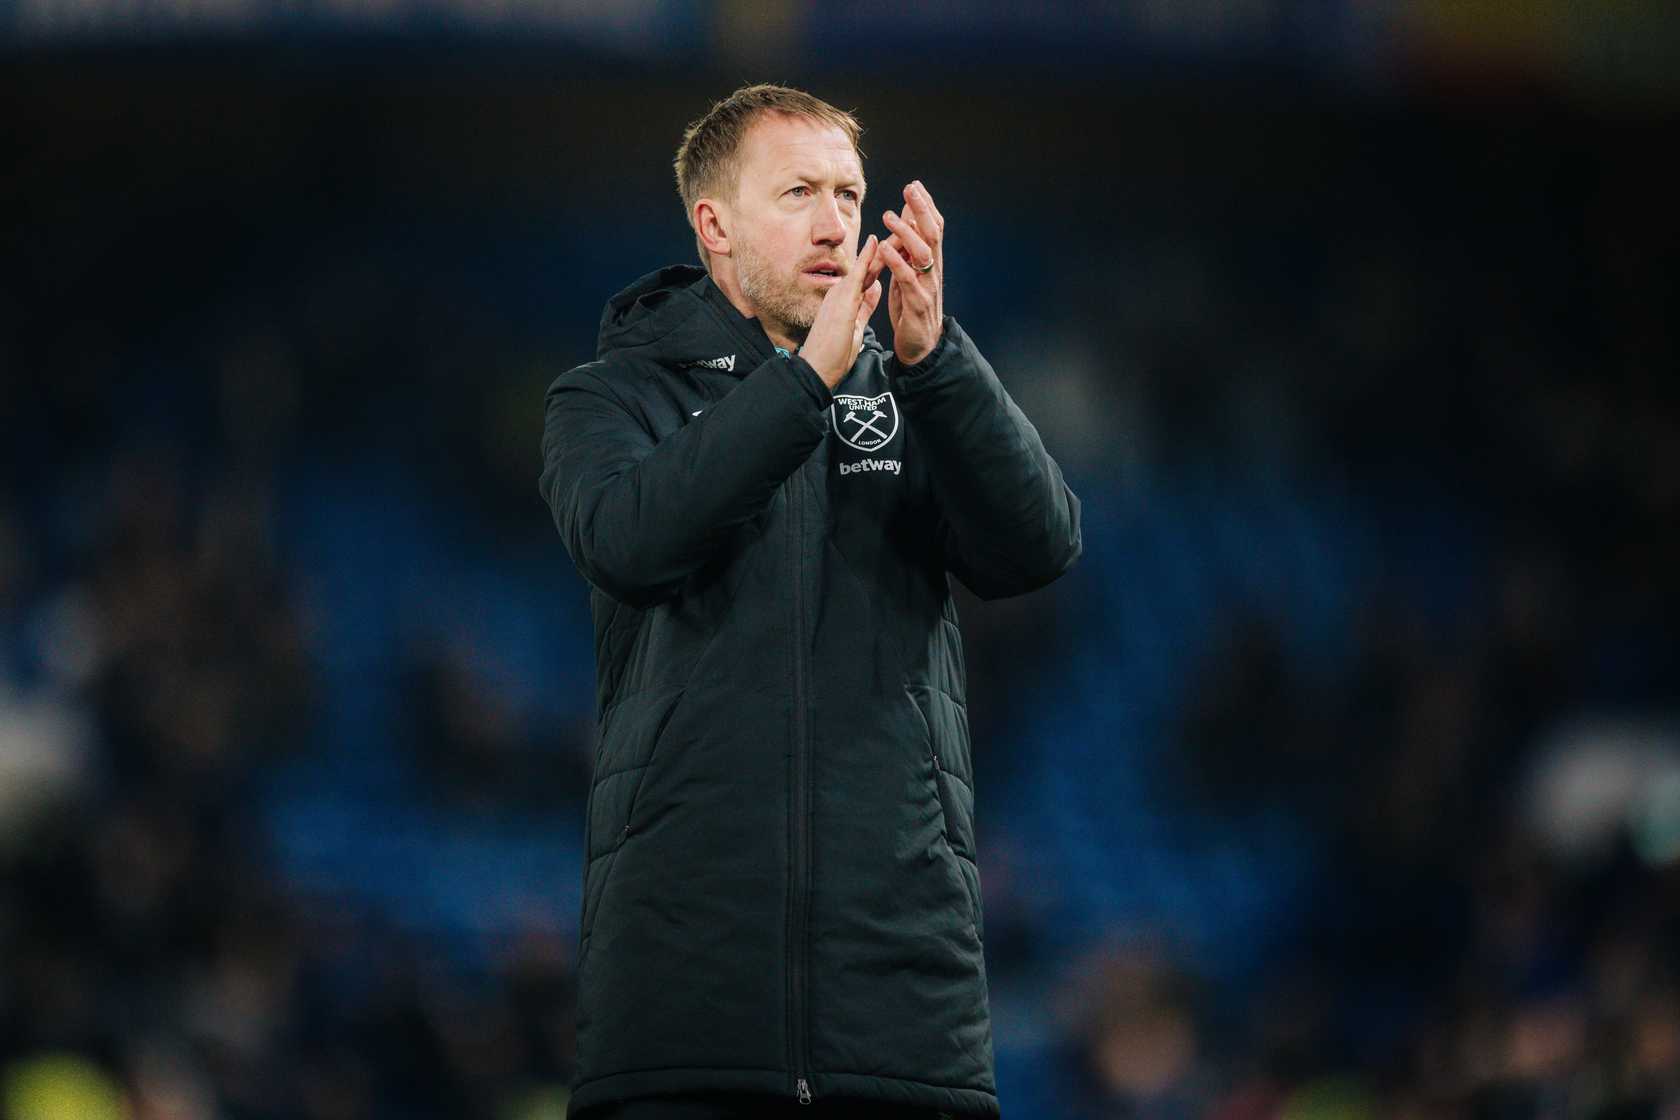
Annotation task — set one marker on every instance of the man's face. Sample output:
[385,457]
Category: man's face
[798,210]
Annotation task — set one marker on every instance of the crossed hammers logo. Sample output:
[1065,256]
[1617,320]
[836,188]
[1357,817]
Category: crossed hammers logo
[866,423]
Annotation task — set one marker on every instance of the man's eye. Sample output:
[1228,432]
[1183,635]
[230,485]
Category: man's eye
[851,194]
[799,188]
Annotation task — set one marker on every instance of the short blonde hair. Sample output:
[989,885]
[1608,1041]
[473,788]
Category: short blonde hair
[708,161]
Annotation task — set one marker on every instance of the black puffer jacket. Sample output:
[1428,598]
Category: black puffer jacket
[780,892]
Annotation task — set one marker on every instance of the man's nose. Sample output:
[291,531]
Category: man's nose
[829,225]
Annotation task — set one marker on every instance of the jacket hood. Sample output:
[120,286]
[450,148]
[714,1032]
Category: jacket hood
[678,315]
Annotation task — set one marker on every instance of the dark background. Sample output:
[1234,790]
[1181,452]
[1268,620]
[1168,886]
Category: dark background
[1341,778]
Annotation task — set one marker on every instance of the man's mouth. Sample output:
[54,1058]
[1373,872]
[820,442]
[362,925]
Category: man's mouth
[825,271]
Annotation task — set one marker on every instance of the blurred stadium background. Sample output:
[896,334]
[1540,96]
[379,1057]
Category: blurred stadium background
[1341,779]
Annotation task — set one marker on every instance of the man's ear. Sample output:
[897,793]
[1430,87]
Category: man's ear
[711,221]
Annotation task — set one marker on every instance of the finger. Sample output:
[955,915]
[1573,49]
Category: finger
[909,218]
[931,222]
[916,247]
[876,267]
[923,225]
[924,221]
[872,263]
[866,306]
[911,214]
[895,241]
[858,277]
[903,271]
[849,288]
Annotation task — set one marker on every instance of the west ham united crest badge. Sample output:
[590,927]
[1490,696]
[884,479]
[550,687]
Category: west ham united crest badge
[865,423]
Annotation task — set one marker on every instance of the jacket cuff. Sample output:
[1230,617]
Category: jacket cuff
[806,375]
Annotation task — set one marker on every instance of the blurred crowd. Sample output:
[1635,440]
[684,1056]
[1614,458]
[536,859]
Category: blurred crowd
[1474,335]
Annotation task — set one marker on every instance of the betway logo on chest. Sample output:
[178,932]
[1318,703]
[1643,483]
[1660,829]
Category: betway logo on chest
[892,466]
[726,362]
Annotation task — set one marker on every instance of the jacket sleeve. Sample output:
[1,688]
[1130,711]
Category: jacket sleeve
[1008,521]
[637,515]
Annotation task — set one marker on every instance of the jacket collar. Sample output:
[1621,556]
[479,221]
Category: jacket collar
[747,329]
[679,316]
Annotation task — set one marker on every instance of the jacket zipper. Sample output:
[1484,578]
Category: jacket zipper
[799,827]
[799,897]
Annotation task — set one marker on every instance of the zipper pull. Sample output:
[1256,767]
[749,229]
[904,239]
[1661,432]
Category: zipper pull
[936,765]
[804,1092]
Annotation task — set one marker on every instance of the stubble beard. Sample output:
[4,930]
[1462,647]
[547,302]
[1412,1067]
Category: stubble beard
[778,302]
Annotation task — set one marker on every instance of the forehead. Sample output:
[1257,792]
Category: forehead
[777,143]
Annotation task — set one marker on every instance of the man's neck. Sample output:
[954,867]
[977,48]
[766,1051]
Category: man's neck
[724,277]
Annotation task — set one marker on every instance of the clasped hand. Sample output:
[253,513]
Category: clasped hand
[914,250]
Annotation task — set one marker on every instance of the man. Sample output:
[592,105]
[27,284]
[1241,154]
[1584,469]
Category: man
[780,898]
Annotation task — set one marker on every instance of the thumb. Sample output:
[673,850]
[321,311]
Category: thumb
[847,290]
[861,269]
[866,306]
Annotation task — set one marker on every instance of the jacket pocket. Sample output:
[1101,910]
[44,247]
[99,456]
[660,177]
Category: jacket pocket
[955,860]
[630,744]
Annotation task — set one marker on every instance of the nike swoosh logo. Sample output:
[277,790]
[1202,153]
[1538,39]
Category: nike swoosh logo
[697,412]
